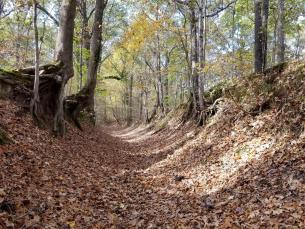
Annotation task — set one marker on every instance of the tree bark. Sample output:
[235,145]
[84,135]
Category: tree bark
[265,16]
[85,31]
[274,45]
[95,52]
[195,62]
[160,88]
[280,32]
[64,55]
[202,48]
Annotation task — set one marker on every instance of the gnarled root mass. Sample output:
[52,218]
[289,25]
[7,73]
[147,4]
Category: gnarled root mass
[18,85]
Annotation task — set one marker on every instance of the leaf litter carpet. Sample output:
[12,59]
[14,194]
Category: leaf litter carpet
[134,178]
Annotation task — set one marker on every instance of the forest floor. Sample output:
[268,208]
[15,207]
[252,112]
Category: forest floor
[135,178]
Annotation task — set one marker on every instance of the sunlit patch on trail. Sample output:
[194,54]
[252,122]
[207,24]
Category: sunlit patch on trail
[212,176]
[134,134]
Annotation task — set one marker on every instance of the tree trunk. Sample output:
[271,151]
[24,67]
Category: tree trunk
[64,55]
[35,99]
[202,48]
[130,101]
[85,98]
[81,63]
[280,32]
[194,54]
[258,34]
[141,106]
[146,118]
[274,48]
[166,83]
[85,32]
[159,73]
[265,31]
[17,42]
[95,51]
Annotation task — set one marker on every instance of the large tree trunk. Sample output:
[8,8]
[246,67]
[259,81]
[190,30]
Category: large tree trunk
[258,34]
[85,98]
[64,55]
[85,39]
[95,50]
[280,33]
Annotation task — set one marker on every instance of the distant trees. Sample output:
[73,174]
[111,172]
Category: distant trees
[143,58]
[198,15]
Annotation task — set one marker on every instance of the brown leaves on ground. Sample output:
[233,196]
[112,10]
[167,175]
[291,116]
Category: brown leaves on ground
[233,174]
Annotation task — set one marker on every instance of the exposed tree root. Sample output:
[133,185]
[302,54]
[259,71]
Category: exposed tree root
[18,85]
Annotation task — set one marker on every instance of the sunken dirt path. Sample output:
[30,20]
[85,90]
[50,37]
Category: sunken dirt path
[90,179]
[132,178]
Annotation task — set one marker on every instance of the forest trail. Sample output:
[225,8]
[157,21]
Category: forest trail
[90,179]
[137,178]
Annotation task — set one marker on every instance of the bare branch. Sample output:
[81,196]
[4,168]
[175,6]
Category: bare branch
[221,9]
[7,14]
[91,13]
[47,13]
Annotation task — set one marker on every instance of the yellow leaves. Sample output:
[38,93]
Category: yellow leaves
[139,32]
